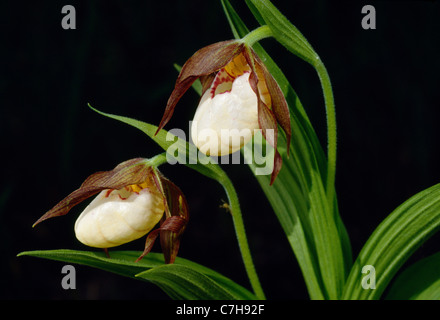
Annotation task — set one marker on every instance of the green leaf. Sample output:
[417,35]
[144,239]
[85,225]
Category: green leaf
[420,281]
[121,262]
[153,268]
[393,242]
[283,31]
[172,144]
[317,236]
[300,204]
[182,282]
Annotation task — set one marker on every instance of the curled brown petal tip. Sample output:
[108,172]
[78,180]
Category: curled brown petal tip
[173,225]
[278,162]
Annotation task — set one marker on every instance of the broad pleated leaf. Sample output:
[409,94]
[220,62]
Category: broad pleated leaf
[195,276]
[182,282]
[420,281]
[393,242]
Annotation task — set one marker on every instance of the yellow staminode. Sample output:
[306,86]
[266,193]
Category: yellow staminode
[138,187]
[238,66]
[125,192]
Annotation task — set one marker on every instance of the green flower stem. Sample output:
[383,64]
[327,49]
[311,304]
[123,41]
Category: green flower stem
[157,160]
[241,236]
[238,224]
[256,35]
[331,130]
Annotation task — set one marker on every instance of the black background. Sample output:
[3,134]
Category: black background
[120,59]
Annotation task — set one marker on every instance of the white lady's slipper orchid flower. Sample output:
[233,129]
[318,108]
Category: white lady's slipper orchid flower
[132,198]
[239,95]
[116,217]
[225,121]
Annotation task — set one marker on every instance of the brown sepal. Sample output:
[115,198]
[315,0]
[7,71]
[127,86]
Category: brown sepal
[202,63]
[132,171]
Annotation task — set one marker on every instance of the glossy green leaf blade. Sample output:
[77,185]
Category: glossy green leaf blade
[300,204]
[182,282]
[420,281]
[393,241]
[120,262]
[123,263]
[289,211]
[319,240]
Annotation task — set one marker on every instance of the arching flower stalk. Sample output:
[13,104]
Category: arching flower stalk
[239,96]
[132,199]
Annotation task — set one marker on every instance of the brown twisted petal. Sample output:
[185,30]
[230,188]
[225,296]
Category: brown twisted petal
[178,208]
[279,104]
[279,114]
[266,117]
[206,82]
[202,63]
[174,222]
[130,172]
[173,226]
[267,121]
